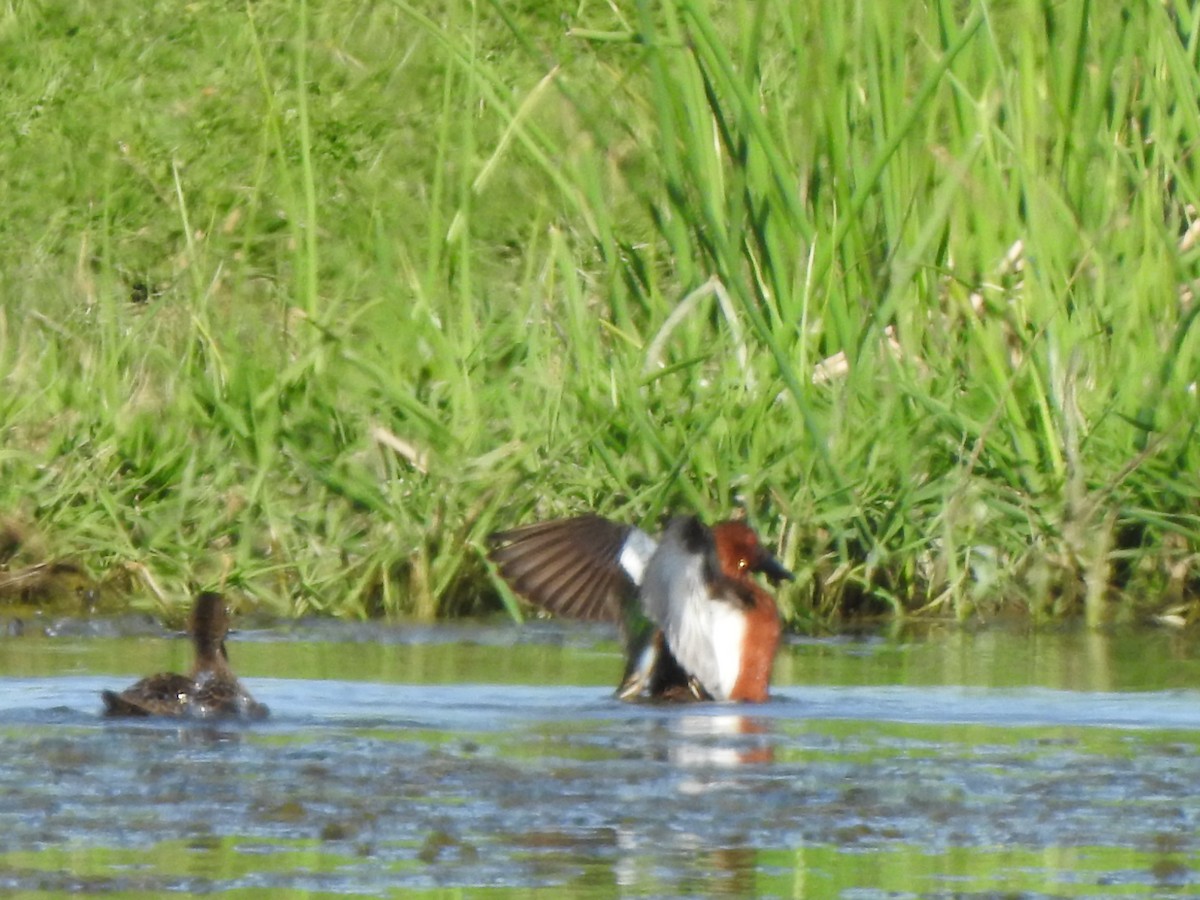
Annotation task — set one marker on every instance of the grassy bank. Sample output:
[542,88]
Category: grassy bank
[305,300]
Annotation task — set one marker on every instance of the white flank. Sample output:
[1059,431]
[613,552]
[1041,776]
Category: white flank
[728,632]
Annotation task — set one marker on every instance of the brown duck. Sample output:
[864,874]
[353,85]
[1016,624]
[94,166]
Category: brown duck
[210,691]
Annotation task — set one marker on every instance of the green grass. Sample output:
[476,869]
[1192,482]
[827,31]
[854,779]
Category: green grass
[306,300]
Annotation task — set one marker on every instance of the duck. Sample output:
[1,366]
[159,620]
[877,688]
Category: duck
[696,624]
[211,690]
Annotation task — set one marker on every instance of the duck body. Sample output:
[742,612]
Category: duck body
[164,694]
[696,625]
[210,691]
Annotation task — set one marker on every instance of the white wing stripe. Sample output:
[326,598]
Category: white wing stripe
[636,553]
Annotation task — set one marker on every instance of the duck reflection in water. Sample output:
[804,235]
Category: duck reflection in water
[210,691]
[710,743]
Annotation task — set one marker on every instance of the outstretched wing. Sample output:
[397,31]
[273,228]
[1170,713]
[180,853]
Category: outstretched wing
[585,568]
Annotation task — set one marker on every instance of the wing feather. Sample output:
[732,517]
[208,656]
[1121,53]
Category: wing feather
[586,567]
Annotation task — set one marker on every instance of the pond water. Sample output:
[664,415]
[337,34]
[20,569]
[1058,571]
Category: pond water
[483,760]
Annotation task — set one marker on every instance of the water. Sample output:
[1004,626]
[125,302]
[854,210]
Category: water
[492,760]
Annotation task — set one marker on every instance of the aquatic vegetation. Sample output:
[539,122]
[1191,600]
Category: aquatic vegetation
[316,298]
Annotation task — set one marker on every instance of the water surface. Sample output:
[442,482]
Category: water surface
[492,761]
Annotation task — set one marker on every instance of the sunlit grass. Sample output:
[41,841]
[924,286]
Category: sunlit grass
[306,300]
